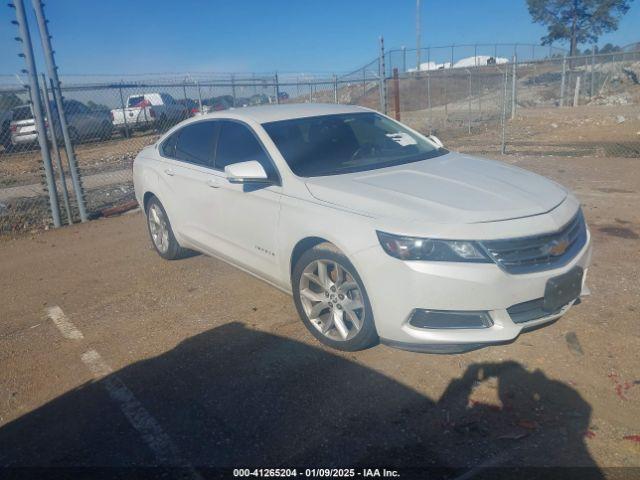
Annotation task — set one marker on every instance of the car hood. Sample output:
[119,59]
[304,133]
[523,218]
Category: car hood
[452,188]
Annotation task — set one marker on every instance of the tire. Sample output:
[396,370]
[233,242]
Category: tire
[106,130]
[161,233]
[336,311]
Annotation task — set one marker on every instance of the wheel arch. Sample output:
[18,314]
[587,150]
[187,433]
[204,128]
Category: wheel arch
[302,246]
[146,198]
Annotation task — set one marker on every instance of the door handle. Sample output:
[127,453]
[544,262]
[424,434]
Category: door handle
[213,183]
[169,172]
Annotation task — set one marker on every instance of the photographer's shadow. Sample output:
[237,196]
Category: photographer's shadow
[233,397]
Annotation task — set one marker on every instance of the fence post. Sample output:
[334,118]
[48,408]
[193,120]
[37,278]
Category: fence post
[124,116]
[364,82]
[479,86]
[27,49]
[429,87]
[396,93]
[514,83]
[233,89]
[563,80]
[45,38]
[277,87]
[446,99]
[335,89]
[310,93]
[382,74]
[469,102]
[200,96]
[576,94]
[593,62]
[404,59]
[503,146]
[56,151]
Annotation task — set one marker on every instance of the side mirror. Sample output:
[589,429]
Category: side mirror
[246,172]
[436,140]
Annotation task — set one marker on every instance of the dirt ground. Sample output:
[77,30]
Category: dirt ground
[194,363]
[25,167]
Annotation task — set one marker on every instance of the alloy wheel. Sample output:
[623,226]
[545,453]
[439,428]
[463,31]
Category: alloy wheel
[332,300]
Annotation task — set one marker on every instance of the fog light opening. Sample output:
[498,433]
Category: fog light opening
[448,319]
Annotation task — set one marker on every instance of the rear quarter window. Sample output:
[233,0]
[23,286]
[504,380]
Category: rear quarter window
[168,147]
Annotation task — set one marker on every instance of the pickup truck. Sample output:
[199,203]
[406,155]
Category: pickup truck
[147,111]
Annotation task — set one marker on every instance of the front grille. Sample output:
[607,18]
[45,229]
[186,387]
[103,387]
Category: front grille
[539,252]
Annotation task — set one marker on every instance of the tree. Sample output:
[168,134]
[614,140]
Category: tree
[577,21]
[96,107]
[609,48]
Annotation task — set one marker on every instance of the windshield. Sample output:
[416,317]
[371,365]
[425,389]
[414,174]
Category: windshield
[345,143]
[22,113]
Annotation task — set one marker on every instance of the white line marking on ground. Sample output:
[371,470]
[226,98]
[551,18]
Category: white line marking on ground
[148,427]
[67,329]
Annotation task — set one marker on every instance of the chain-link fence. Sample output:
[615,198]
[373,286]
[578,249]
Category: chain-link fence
[588,105]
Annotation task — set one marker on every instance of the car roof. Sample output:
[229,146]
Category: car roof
[274,113]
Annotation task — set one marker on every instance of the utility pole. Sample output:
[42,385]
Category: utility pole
[34,90]
[418,31]
[57,95]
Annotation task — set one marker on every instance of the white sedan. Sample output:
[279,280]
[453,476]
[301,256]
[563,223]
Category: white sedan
[378,232]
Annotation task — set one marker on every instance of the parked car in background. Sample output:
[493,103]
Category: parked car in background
[259,99]
[5,130]
[191,105]
[147,111]
[377,231]
[83,124]
[215,104]
[22,127]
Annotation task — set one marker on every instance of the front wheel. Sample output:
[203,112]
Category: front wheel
[332,301]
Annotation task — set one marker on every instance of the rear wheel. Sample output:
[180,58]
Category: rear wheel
[106,129]
[332,301]
[161,232]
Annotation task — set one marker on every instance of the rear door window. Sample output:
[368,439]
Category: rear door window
[195,143]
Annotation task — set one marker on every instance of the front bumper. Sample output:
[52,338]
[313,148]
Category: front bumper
[396,288]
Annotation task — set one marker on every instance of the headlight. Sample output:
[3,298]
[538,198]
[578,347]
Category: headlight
[413,248]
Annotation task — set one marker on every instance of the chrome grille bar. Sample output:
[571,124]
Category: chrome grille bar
[539,252]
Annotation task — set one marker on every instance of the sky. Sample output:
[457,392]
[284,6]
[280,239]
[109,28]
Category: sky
[302,36]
